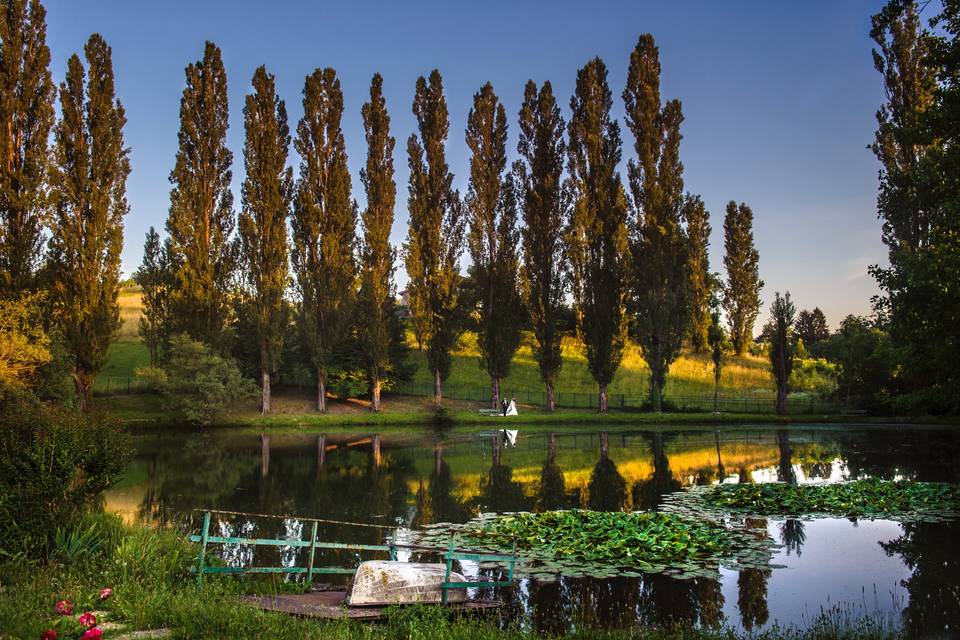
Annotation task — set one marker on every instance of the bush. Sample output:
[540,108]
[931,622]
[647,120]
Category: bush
[198,384]
[54,463]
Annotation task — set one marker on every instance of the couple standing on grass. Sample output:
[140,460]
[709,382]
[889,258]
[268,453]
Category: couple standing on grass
[509,409]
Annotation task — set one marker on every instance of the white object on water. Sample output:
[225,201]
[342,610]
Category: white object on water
[383,582]
[511,436]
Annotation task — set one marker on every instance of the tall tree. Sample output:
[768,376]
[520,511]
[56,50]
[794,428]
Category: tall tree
[323,223]
[659,274]
[597,238]
[377,255]
[153,275]
[783,345]
[812,327]
[545,204]
[201,219]
[435,236]
[741,296]
[493,238]
[267,193]
[717,339]
[698,263]
[89,192]
[26,117]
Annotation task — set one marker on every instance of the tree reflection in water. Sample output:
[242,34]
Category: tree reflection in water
[752,586]
[607,490]
[648,494]
[551,492]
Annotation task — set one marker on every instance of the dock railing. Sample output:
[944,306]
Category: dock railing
[206,538]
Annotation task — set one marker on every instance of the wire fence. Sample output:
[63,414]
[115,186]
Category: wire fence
[750,402]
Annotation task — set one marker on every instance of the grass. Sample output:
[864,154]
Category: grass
[148,571]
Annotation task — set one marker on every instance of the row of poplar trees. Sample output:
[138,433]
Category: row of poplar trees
[62,187]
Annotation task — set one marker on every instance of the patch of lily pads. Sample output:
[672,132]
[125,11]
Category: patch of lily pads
[597,544]
[903,500]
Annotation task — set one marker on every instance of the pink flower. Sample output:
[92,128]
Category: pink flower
[64,608]
[88,620]
[49,634]
[92,634]
[106,593]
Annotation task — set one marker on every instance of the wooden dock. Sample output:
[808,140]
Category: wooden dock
[330,605]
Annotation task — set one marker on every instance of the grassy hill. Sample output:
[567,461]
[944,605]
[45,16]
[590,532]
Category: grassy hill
[690,375]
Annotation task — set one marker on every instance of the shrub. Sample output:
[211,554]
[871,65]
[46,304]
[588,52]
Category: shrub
[198,384]
[54,462]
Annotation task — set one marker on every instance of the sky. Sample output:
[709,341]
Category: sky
[778,97]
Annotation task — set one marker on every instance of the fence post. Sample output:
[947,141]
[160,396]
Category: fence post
[313,548]
[203,546]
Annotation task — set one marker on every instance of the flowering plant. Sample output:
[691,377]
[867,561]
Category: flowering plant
[66,626]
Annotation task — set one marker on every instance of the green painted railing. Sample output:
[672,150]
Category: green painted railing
[205,538]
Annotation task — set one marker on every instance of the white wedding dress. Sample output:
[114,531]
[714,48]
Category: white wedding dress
[512,409]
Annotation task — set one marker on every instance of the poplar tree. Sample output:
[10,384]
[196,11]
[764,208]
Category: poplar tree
[698,265]
[201,219]
[89,195]
[660,277]
[435,235]
[493,238]
[741,296]
[717,339]
[267,193]
[783,346]
[26,117]
[153,276]
[545,205]
[376,271]
[597,238]
[323,224]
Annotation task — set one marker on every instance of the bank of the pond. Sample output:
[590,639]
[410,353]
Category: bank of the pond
[146,412]
[147,571]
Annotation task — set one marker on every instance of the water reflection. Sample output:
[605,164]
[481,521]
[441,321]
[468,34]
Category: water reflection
[379,480]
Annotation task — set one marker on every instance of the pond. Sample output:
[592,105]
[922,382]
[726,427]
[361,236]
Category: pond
[906,574]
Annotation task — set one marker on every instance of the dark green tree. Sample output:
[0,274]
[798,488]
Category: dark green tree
[597,245]
[717,339]
[267,193]
[26,117]
[783,345]
[377,255]
[659,274]
[435,235]
[88,182]
[201,219]
[867,362]
[323,223]
[812,327]
[153,275]
[546,207]
[698,264]
[741,296]
[493,238]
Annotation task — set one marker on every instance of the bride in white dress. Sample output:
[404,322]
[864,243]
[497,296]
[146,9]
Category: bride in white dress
[512,408]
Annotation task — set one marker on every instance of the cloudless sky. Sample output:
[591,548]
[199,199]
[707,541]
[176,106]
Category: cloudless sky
[779,100]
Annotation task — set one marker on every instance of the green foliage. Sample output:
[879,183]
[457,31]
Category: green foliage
[200,255]
[198,385]
[267,193]
[545,205]
[812,327]
[88,187]
[698,264]
[323,224]
[24,345]
[866,360]
[54,462]
[493,237]
[435,234]
[783,346]
[597,245]
[862,498]
[26,117]
[741,296]
[153,278]
[660,276]
[816,375]
[377,313]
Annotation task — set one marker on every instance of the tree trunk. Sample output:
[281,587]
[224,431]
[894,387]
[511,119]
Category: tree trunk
[781,400]
[83,393]
[265,402]
[602,400]
[656,393]
[604,445]
[437,396]
[551,404]
[716,397]
[321,391]
[495,392]
[264,455]
[551,447]
[375,395]
[495,444]
[375,449]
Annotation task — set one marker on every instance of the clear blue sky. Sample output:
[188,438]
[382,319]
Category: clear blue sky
[779,100]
